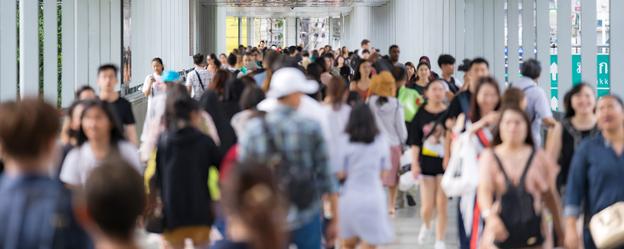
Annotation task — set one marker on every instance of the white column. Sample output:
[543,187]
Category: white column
[564,48]
[488,31]
[8,50]
[543,43]
[512,40]
[50,52]
[93,40]
[291,33]
[498,65]
[469,29]
[116,48]
[617,47]
[460,27]
[220,34]
[81,43]
[106,31]
[68,62]
[452,30]
[29,55]
[528,29]
[588,41]
[478,24]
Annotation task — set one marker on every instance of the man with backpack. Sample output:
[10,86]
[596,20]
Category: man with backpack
[294,147]
[198,80]
[538,108]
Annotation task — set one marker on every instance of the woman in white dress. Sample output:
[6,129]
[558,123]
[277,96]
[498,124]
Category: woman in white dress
[363,214]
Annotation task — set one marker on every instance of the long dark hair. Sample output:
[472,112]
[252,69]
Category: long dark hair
[71,133]
[361,126]
[358,75]
[116,132]
[219,80]
[475,109]
[529,137]
[567,99]
[336,88]
[252,195]
[179,106]
[416,71]
[233,90]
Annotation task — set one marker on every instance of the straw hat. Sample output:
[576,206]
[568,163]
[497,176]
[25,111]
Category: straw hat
[383,84]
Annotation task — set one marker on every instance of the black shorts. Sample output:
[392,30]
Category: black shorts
[431,166]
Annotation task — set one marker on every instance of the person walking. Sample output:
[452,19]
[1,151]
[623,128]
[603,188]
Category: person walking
[107,81]
[390,119]
[31,203]
[515,186]
[362,79]
[427,148]
[198,80]
[300,144]
[153,83]
[596,173]
[363,215]
[100,137]
[184,157]
[578,124]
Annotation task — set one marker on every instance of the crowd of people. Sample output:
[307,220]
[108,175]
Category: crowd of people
[267,148]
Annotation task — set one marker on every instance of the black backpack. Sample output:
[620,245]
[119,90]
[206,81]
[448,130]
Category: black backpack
[297,184]
[518,214]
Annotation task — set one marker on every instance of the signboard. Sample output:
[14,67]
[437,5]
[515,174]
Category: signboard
[554,82]
[576,69]
[603,85]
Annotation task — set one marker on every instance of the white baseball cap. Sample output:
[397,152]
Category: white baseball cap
[290,80]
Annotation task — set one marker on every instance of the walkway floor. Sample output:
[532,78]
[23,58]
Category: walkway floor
[407,225]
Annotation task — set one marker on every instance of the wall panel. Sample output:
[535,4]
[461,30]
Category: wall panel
[564,46]
[543,43]
[8,50]
[617,47]
[50,51]
[513,40]
[588,41]
[29,58]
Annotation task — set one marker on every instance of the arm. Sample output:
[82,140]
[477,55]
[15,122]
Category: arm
[400,124]
[415,150]
[189,83]
[553,141]
[552,198]
[485,191]
[575,191]
[147,85]
[542,107]
[131,134]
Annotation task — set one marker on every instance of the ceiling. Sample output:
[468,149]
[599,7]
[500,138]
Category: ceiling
[290,8]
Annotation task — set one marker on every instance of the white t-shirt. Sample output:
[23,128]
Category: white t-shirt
[81,161]
[196,86]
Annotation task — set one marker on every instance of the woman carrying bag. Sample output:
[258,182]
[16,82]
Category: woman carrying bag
[595,179]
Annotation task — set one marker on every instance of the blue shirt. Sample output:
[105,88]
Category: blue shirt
[301,141]
[35,212]
[595,179]
[538,106]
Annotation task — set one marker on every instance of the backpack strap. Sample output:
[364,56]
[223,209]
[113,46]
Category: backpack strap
[201,83]
[500,167]
[528,165]
[524,172]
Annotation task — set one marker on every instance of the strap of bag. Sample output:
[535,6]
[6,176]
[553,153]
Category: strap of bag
[524,172]
[435,125]
[201,83]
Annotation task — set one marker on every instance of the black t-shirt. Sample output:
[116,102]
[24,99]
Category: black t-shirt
[455,108]
[431,146]
[123,109]
[452,86]
[418,88]
[567,152]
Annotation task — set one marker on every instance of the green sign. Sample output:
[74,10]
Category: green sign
[576,69]
[603,86]
[554,82]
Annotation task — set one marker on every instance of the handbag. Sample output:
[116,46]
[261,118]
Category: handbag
[607,227]
[461,176]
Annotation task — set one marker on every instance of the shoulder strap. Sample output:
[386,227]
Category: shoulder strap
[500,166]
[435,125]
[201,83]
[528,165]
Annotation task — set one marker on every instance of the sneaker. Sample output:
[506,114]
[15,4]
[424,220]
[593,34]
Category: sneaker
[422,235]
[439,245]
